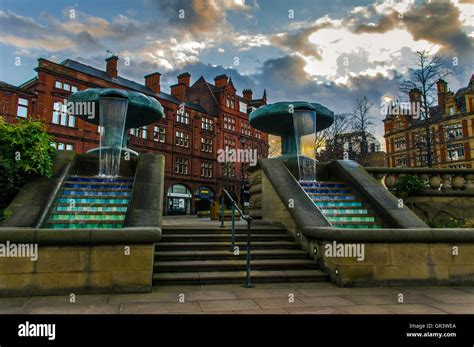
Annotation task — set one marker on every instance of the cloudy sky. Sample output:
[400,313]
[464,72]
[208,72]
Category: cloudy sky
[327,51]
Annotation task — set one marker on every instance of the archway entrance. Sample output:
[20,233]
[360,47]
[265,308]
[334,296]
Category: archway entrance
[204,196]
[179,200]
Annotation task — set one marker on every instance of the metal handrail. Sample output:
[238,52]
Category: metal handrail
[248,219]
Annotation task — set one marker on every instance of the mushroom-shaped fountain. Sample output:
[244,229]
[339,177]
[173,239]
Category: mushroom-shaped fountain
[292,121]
[118,110]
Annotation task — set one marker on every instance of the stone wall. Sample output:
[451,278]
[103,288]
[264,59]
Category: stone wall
[402,264]
[78,269]
[439,210]
[391,256]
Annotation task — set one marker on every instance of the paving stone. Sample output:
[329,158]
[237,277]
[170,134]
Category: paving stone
[465,289]
[279,303]
[453,298]
[266,293]
[412,309]
[313,310]
[265,311]
[363,309]
[15,310]
[13,302]
[76,309]
[231,305]
[209,295]
[431,290]
[372,299]
[159,308]
[145,297]
[65,299]
[326,301]
[455,308]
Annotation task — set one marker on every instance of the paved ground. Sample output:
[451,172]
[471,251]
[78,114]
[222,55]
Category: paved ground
[310,298]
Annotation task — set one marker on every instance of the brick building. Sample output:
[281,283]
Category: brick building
[214,117]
[452,128]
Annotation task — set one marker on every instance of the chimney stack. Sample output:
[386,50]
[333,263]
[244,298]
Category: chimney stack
[184,78]
[152,81]
[111,68]
[415,101]
[442,87]
[221,81]
[247,93]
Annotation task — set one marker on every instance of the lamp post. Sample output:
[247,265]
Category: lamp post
[242,174]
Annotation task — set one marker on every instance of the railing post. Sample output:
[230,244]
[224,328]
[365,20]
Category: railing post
[248,283]
[222,210]
[233,229]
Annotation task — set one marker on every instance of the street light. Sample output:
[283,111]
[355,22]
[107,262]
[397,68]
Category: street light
[242,174]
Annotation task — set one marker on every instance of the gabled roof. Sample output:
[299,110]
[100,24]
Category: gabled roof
[129,84]
[12,88]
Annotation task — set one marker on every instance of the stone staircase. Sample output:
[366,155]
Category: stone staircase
[201,255]
[341,206]
[91,202]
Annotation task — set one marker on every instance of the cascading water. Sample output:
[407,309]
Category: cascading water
[113,113]
[304,124]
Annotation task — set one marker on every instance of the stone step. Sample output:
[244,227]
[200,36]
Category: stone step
[227,226]
[215,254]
[109,198]
[86,184]
[181,246]
[233,277]
[86,222]
[99,179]
[89,213]
[233,265]
[91,204]
[223,231]
[223,237]
[97,190]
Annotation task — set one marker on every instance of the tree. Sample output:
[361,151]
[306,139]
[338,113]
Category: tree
[328,145]
[362,122]
[428,69]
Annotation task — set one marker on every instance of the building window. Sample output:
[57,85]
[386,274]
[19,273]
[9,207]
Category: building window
[229,123]
[65,86]
[206,145]
[144,132]
[62,146]
[182,117]
[230,101]
[400,143]
[206,170]
[61,117]
[159,134]
[401,161]
[182,139]
[229,144]
[258,134]
[22,110]
[181,166]
[242,107]
[453,131]
[228,169]
[245,128]
[207,124]
[455,152]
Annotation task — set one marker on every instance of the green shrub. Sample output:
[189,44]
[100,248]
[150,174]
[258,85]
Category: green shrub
[408,185]
[25,150]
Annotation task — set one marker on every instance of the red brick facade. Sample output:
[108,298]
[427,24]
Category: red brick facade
[189,142]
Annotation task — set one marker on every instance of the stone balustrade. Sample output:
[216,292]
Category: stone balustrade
[439,181]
